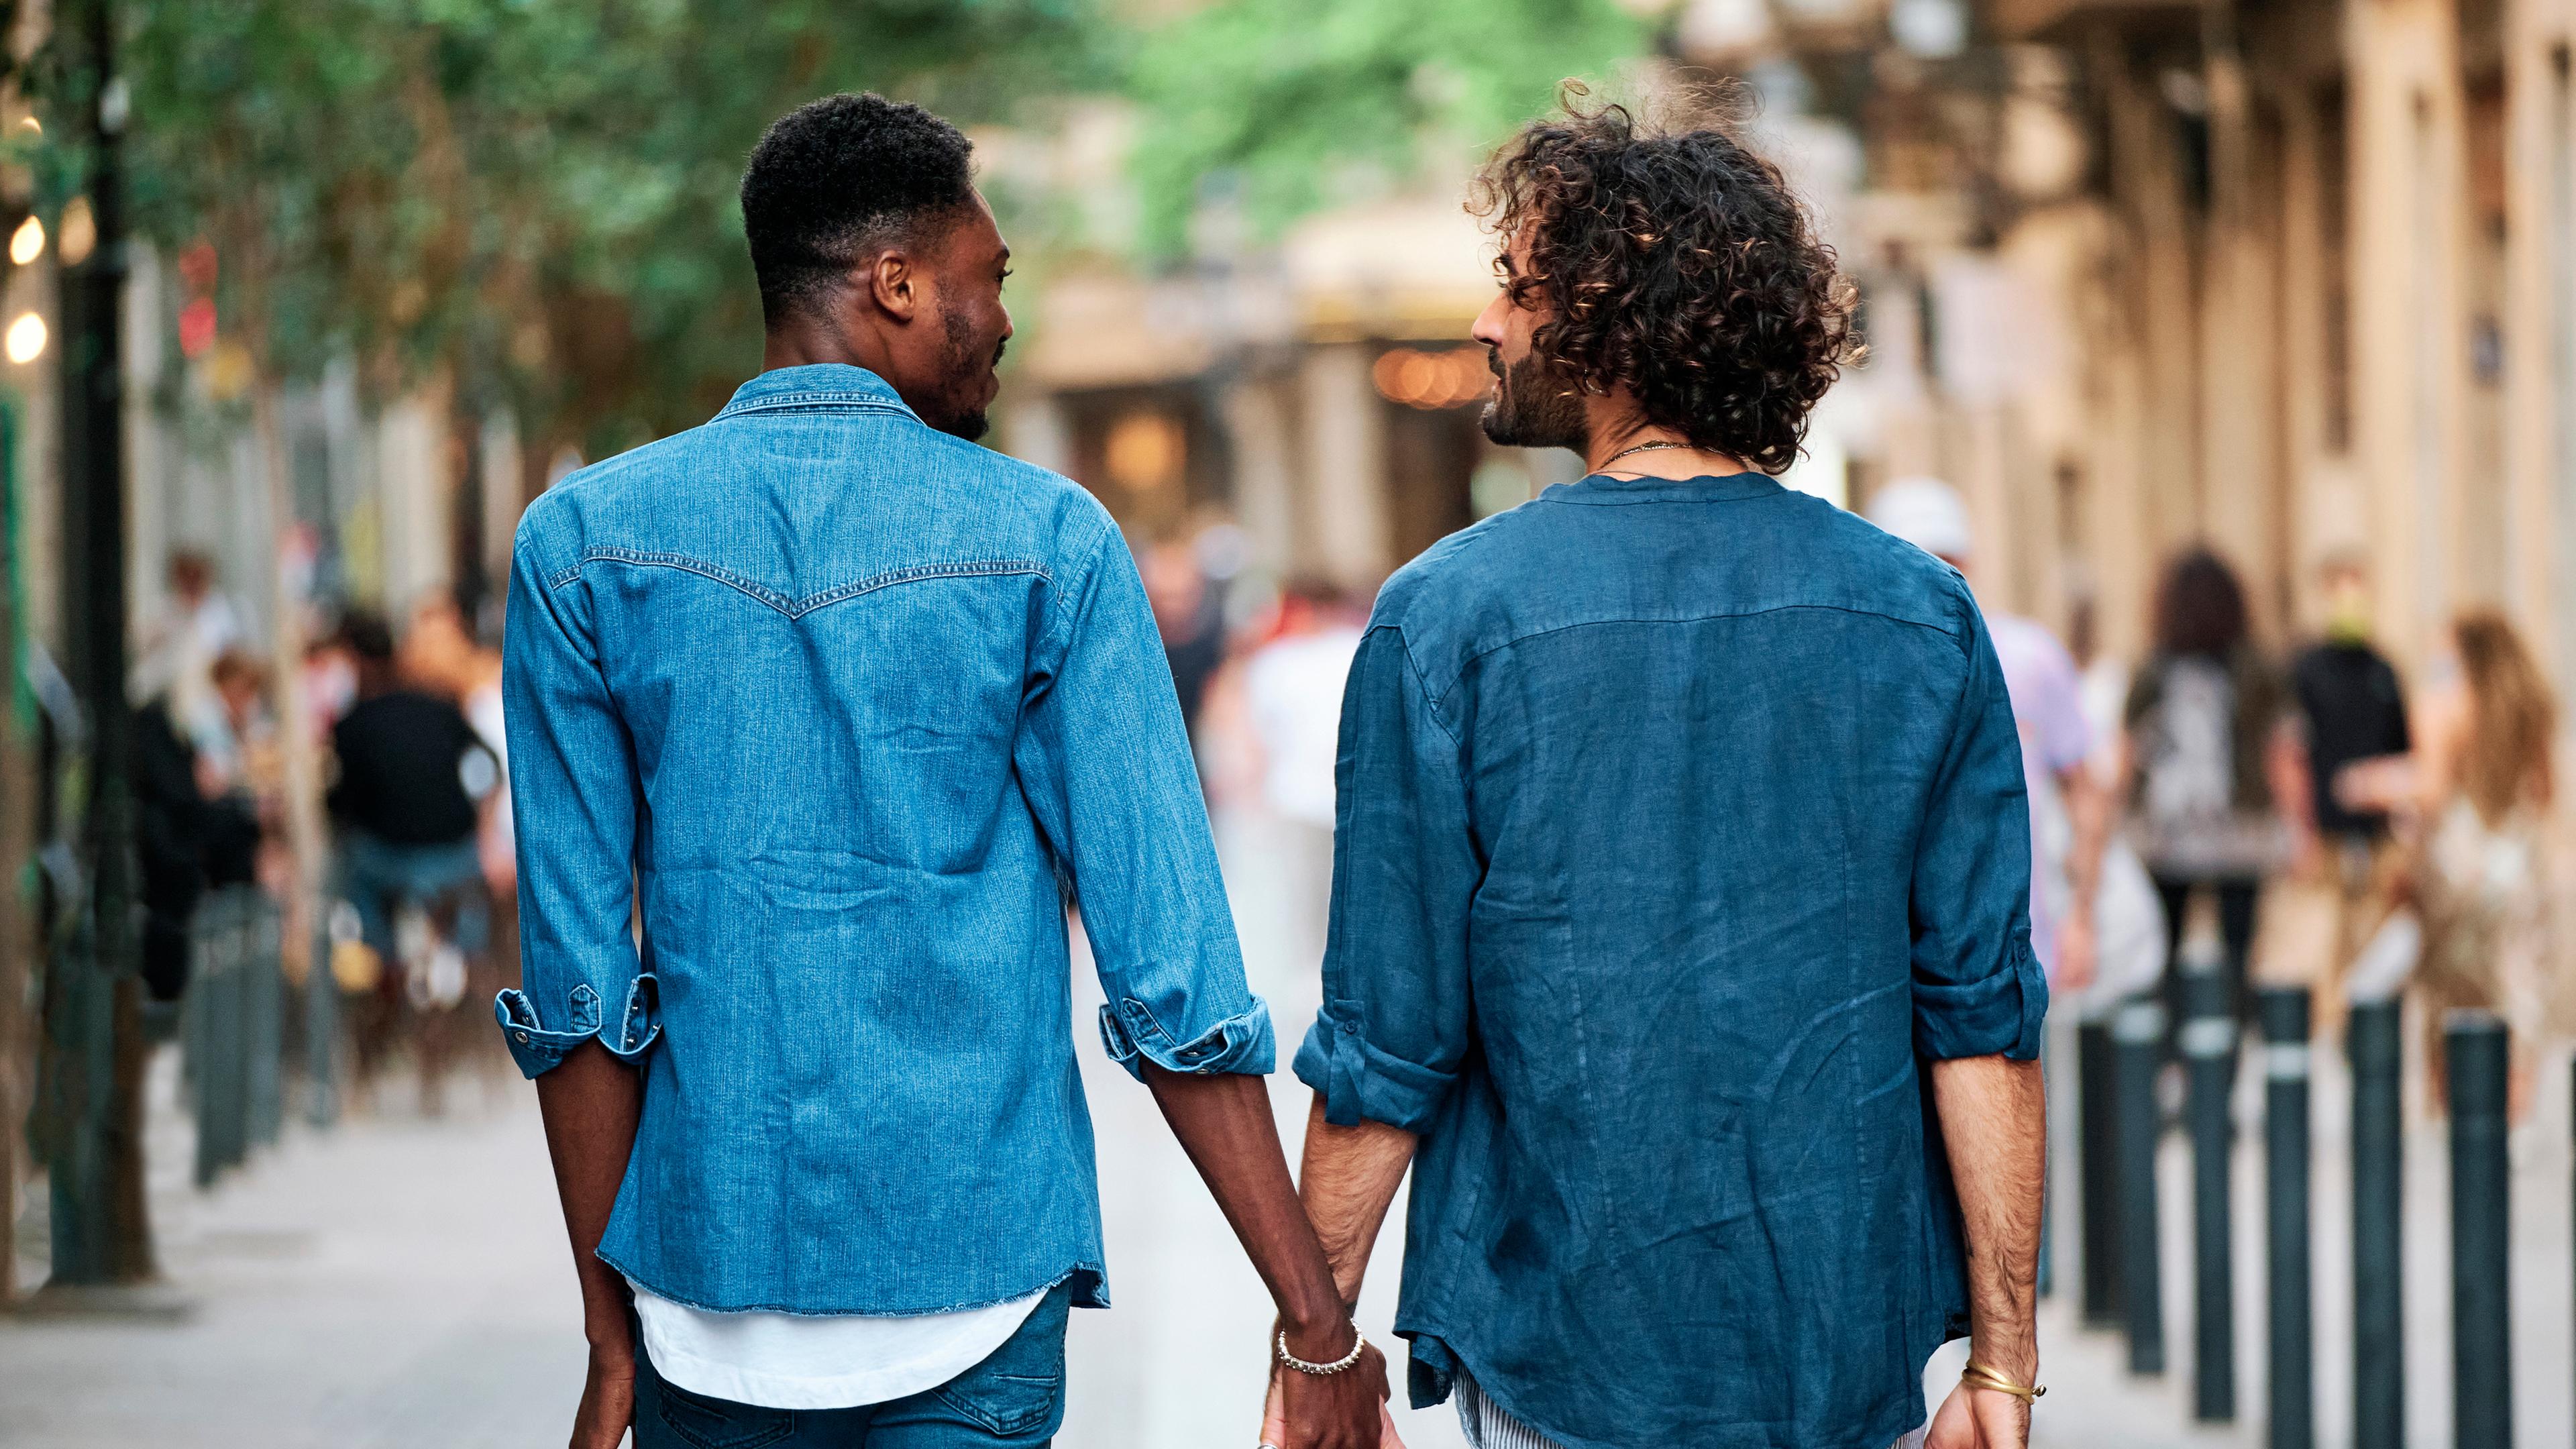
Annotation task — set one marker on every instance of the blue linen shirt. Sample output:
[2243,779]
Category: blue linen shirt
[816,717]
[1678,820]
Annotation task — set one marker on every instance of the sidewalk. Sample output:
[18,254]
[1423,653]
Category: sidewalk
[397,1282]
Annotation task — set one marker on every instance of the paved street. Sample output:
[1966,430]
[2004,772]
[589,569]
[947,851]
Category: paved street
[400,1282]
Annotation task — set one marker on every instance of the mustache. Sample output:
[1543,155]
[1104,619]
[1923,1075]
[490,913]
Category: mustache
[998,349]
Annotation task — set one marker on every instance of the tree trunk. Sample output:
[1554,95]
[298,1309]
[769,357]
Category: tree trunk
[304,840]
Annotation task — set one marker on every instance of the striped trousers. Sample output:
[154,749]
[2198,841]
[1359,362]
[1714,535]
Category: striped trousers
[1489,1427]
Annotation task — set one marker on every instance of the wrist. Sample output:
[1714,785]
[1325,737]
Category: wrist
[1321,1339]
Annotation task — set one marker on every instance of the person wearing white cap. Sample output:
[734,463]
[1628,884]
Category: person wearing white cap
[2070,812]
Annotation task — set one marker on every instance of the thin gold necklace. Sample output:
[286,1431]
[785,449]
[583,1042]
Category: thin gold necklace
[1650,445]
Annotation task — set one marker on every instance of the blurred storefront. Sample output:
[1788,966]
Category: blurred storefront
[2297,278]
[1323,395]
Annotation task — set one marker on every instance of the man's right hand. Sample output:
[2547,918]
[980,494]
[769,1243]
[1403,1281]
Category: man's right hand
[607,1400]
[1974,1418]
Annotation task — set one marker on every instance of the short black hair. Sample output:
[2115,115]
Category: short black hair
[837,177]
[368,636]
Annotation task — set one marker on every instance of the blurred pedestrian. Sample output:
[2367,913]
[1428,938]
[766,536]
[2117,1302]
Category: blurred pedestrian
[2480,877]
[1292,698]
[1683,834]
[2070,812]
[237,771]
[2214,786]
[406,850]
[1189,615]
[843,707]
[197,626]
[442,653]
[2352,712]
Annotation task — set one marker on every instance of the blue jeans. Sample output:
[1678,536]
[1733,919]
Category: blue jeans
[378,877]
[1014,1397]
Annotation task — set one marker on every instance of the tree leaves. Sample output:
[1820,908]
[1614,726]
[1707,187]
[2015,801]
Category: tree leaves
[536,196]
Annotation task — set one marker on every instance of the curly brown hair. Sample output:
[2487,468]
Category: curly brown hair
[1676,263]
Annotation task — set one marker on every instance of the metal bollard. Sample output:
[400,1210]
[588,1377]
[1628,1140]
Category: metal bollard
[321,1024]
[2284,1011]
[2477,1049]
[2138,1043]
[264,1038]
[219,1064]
[2208,1042]
[2098,1172]
[2372,1040]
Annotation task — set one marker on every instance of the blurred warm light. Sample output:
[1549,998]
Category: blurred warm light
[27,243]
[1443,379]
[80,232]
[197,266]
[30,123]
[196,327]
[228,372]
[1143,452]
[26,338]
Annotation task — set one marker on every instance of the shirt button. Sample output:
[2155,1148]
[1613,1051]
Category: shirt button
[521,1035]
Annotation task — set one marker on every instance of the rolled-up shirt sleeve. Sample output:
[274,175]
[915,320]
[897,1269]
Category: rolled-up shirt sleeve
[1105,762]
[573,775]
[1397,1017]
[1978,990]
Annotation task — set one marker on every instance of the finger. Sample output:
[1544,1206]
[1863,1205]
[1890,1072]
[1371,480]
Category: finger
[1274,1413]
[1387,1438]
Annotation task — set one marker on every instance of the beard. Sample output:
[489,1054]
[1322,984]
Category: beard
[965,368]
[1533,406]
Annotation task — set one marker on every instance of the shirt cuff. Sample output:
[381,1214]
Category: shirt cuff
[1239,1044]
[1996,1015]
[1359,1081]
[538,1051]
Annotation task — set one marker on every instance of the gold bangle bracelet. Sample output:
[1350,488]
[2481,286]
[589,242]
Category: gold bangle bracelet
[1978,1376]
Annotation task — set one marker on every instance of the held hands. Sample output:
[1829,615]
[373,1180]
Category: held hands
[1988,1410]
[1974,1418]
[607,1400]
[1345,1410]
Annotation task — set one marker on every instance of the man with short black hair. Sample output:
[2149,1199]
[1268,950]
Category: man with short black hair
[836,709]
[1682,875]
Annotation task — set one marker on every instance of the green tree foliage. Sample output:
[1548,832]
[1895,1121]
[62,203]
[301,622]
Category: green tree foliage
[1283,97]
[536,195]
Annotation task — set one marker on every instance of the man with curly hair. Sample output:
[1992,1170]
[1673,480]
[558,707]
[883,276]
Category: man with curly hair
[1680,934]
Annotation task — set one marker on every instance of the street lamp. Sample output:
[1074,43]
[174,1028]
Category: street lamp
[25,341]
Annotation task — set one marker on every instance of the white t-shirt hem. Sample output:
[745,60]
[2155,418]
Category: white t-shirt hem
[800,1361]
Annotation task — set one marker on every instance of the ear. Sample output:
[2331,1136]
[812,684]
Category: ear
[895,283]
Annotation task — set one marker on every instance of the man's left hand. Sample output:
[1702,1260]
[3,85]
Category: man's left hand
[1369,1371]
[1979,1419]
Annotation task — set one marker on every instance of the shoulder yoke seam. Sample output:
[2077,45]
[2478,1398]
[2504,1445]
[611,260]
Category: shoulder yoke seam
[1465,664]
[795,607]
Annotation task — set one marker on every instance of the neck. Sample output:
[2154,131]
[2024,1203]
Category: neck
[804,340]
[1617,424]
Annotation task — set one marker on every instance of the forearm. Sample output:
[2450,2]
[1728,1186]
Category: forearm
[2293,786]
[2088,810]
[1348,1180]
[1993,1114]
[1224,1124]
[591,1104]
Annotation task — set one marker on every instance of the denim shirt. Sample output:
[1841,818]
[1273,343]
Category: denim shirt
[815,717]
[1677,821]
